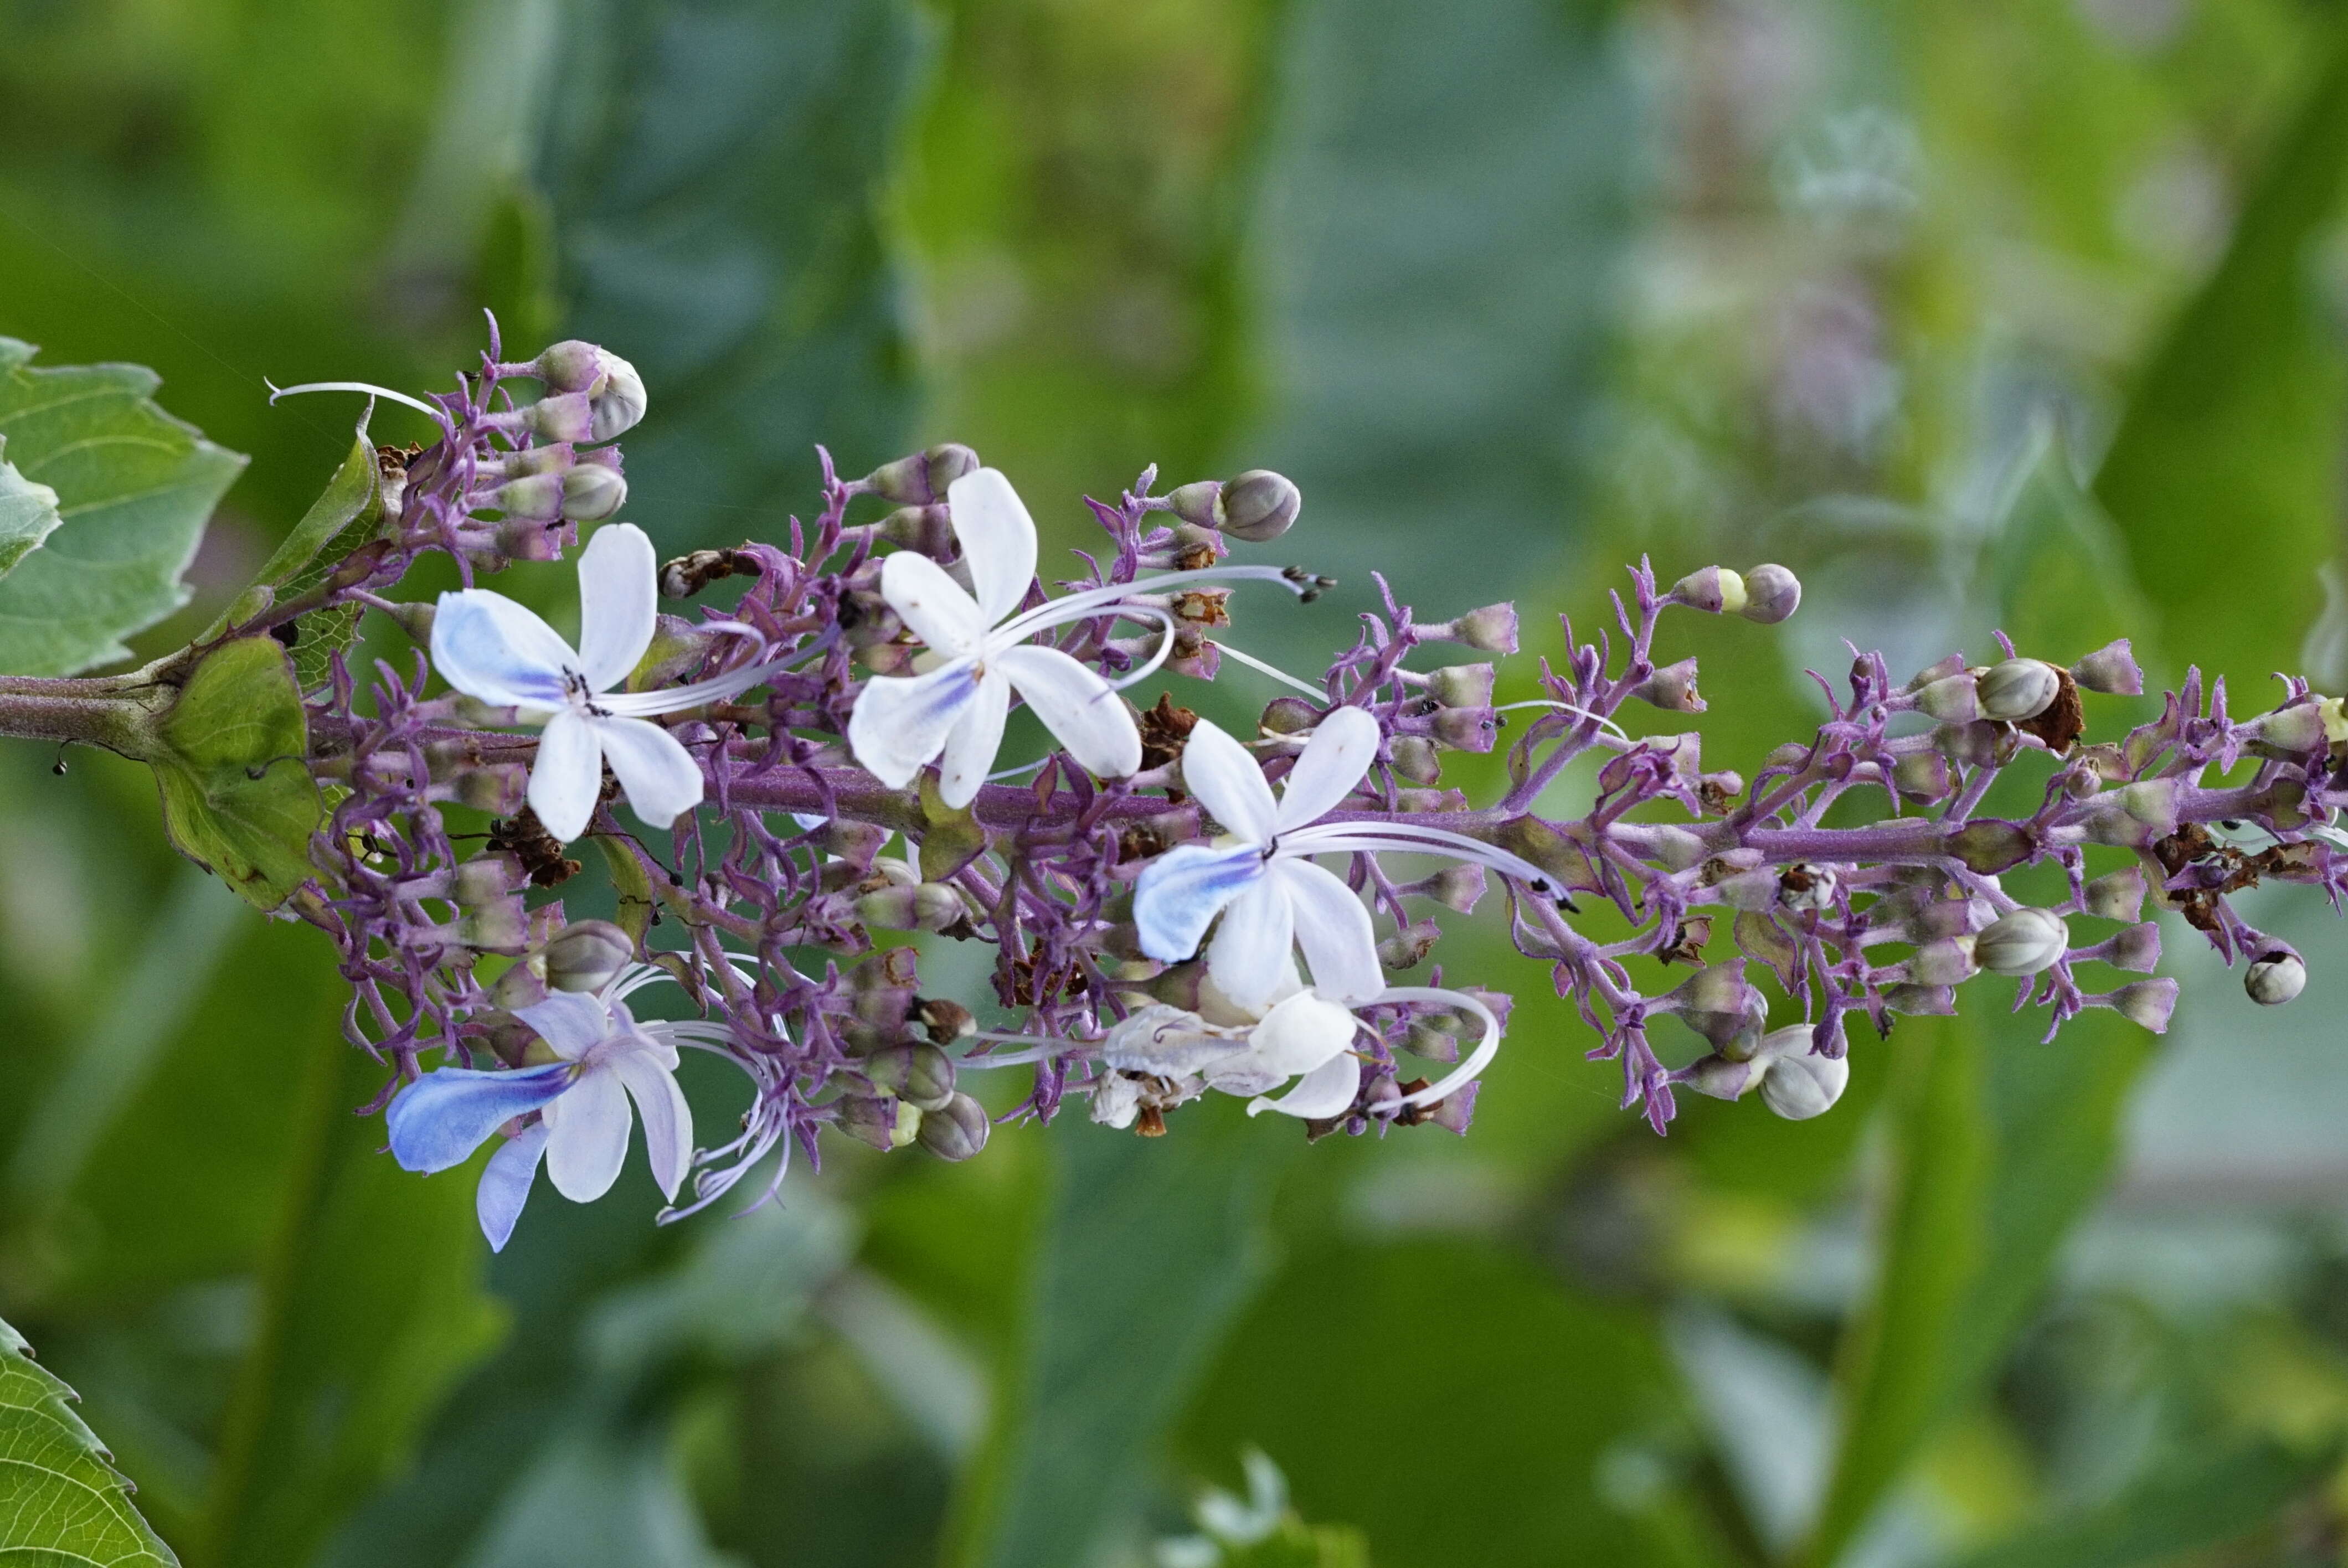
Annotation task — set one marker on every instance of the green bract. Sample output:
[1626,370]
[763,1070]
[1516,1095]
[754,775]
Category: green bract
[60,1500]
[238,797]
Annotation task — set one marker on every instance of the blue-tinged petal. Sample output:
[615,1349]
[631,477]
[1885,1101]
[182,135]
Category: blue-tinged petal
[1249,960]
[440,1119]
[971,744]
[667,1119]
[488,647]
[572,1022]
[1182,891]
[899,724]
[505,1184]
[587,1139]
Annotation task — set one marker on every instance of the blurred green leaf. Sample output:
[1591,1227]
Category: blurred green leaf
[237,797]
[597,1496]
[28,512]
[2224,477]
[355,489]
[1149,1248]
[714,170]
[371,1308]
[2184,1505]
[1434,1393]
[2055,573]
[134,488]
[61,1503]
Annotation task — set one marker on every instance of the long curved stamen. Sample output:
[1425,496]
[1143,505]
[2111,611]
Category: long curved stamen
[1093,602]
[1409,838]
[1171,626]
[675,699]
[1478,1061]
[1038,1048]
[1253,662]
[276,392]
[1606,723]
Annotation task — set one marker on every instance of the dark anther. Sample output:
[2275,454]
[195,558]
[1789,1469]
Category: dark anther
[287,633]
[58,767]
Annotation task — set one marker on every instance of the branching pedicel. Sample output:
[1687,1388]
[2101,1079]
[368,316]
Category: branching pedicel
[1146,888]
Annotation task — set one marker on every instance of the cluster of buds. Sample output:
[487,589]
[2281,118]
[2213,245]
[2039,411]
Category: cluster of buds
[1149,883]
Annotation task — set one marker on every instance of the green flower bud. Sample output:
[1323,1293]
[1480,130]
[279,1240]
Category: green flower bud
[1491,630]
[915,1071]
[2132,815]
[1458,886]
[1466,729]
[956,1129]
[2136,948]
[922,478]
[1990,845]
[499,789]
[585,955]
[1288,716]
[1953,699]
[563,416]
[537,498]
[2018,688]
[1948,961]
[591,492]
[489,913]
[1462,685]
[1199,504]
[1798,1087]
[884,1123]
[2147,1004]
[1715,589]
[1725,1079]
[1921,777]
[929,529]
[1407,948]
[921,907]
[1414,758]
[1672,689]
[1258,507]
[1921,1001]
[2111,670]
[2291,731]
[2026,942]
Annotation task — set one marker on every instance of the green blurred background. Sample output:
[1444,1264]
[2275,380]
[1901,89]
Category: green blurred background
[1977,312]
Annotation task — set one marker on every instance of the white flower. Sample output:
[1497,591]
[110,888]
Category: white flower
[953,714]
[1260,877]
[603,1059]
[1301,1034]
[488,647]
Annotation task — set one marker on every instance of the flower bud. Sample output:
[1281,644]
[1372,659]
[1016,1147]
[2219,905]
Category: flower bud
[1921,1001]
[1258,507]
[1414,758]
[1677,849]
[1720,1005]
[615,391]
[1462,685]
[1723,1079]
[490,912]
[923,907]
[2291,731]
[2276,977]
[1288,716]
[1990,845]
[520,986]
[929,529]
[1978,744]
[2111,670]
[2018,688]
[1491,630]
[585,955]
[497,789]
[1672,689]
[2025,942]
[1921,775]
[1199,504]
[1466,729]
[884,1123]
[1771,594]
[535,496]
[1714,589]
[2135,948]
[1952,918]
[1752,892]
[563,416]
[915,1071]
[1407,948]
[955,1131]
[1953,699]
[591,492]
[1948,961]
[2117,896]
[1798,1087]
[2147,1004]
[2133,815]
[922,478]
[1458,886]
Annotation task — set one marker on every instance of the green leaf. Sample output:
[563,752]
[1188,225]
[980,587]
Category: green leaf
[237,797]
[28,513]
[1150,1249]
[2224,476]
[371,1308]
[61,1503]
[134,486]
[2181,1506]
[354,492]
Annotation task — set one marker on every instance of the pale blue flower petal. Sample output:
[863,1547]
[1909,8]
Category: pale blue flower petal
[587,1136]
[616,603]
[505,1184]
[1340,946]
[1342,747]
[901,723]
[1181,892]
[571,1022]
[1228,782]
[940,613]
[566,777]
[1083,711]
[655,772]
[440,1119]
[668,1120]
[488,647]
[971,744]
[1249,960]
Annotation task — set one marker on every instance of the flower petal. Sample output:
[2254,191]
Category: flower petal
[971,744]
[655,772]
[1165,1041]
[1329,1090]
[1301,1033]
[488,647]
[998,539]
[506,1182]
[440,1119]
[1225,777]
[616,603]
[1181,892]
[1342,747]
[1081,709]
[587,1136]
[567,779]
[1248,957]
[668,1120]
[932,604]
[573,1023]
[1341,947]
[901,723]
